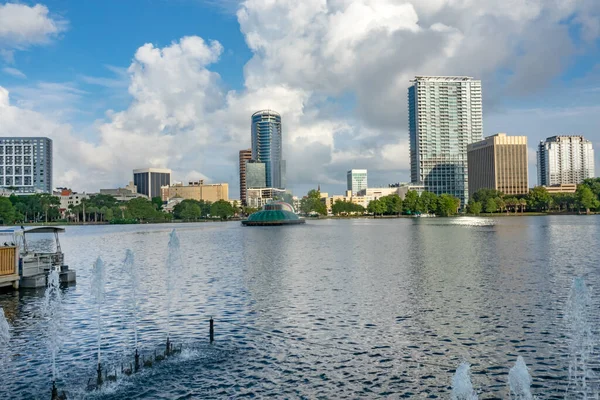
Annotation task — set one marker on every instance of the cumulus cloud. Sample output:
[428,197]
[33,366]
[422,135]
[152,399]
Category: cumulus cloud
[22,26]
[312,61]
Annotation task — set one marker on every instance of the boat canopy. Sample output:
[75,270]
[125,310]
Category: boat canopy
[45,229]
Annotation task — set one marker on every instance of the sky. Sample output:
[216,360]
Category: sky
[131,84]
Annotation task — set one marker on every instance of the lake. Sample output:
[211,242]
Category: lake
[357,308]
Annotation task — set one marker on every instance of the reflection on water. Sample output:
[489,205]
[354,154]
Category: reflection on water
[362,299]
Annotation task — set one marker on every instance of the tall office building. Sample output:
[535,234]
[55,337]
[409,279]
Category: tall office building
[356,180]
[245,156]
[499,162]
[26,164]
[564,160]
[267,146]
[255,175]
[444,117]
[150,180]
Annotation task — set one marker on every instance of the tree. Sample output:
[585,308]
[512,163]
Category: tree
[222,209]
[312,203]
[158,203]
[191,211]
[447,205]
[474,207]
[410,203]
[586,198]
[500,203]
[143,210]
[8,212]
[376,207]
[490,205]
[539,198]
[523,204]
[482,195]
[427,202]
[109,214]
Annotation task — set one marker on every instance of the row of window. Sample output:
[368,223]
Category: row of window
[16,170]
[17,181]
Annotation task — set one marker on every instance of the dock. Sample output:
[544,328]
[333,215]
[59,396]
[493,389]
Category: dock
[9,267]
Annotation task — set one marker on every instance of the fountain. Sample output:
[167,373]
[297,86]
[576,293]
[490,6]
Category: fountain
[52,312]
[174,265]
[4,331]
[131,270]
[520,381]
[98,294]
[462,389]
[580,339]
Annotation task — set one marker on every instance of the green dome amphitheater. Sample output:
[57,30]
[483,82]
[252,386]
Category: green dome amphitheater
[276,213]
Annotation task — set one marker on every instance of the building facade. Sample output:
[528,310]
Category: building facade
[356,180]
[245,156]
[197,190]
[444,117]
[26,164]
[256,175]
[564,160]
[149,180]
[267,146]
[499,162]
[261,196]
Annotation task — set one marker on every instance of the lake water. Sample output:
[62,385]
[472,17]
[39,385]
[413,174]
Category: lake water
[356,308]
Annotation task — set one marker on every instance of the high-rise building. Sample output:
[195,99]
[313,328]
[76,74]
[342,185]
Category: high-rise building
[150,180]
[26,164]
[564,160]
[255,175]
[245,156]
[267,146]
[356,180]
[499,162]
[444,117]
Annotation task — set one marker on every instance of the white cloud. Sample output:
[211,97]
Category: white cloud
[307,56]
[22,26]
[14,72]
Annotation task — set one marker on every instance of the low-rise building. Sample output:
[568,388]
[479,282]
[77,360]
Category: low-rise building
[564,188]
[68,199]
[413,187]
[256,198]
[196,190]
[124,194]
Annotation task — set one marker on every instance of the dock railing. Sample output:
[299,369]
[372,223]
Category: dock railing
[8,261]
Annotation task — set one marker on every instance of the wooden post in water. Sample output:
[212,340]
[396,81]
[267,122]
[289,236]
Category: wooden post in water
[212,330]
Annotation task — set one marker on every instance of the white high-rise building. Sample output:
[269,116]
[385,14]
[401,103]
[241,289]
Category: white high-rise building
[356,180]
[444,117]
[26,164]
[564,160]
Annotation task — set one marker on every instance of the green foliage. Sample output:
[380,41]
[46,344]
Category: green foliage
[376,207]
[192,209]
[539,199]
[8,213]
[391,204]
[158,203]
[427,202]
[222,209]
[586,198]
[346,207]
[411,202]
[312,203]
[474,207]
[447,205]
[36,207]
[143,210]
[490,205]
[482,195]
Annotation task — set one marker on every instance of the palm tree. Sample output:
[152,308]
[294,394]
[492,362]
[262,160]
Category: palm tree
[523,204]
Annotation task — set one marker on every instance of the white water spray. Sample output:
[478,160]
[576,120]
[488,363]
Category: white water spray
[131,269]
[174,266]
[4,331]
[462,388]
[52,311]
[98,295]
[520,381]
[581,344]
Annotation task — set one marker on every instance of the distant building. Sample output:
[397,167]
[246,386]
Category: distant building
[124,194]
[377,192]
[245,156]
[255,175]
[26,164]
[256,198]
[267,146]
[69,199]
[499,162]
[149,180]
[196,190]
[413,187]
[564,188]
[564,160]
[444,116]
[356,180]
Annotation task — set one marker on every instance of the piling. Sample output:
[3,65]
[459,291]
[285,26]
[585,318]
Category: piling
[137,361]
[99,379]
[212,330]
[168,352]
[54,391]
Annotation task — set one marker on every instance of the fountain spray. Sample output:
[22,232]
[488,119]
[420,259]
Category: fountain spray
[131,269]
[98,295]
[462,389]
[174,265]
[520,381]
[52,312]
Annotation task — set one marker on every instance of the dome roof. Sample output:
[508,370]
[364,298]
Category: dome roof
[275,213]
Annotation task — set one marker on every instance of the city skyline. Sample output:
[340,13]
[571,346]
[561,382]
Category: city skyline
[180,96]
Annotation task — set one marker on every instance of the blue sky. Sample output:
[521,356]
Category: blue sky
[127,84]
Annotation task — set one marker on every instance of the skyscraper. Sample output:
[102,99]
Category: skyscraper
[356,180]
[150,180]
[267,146]
[26,164]
[444,117]
[499,162]
[564,160]
[245,156]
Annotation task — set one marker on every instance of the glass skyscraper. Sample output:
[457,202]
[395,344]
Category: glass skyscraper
[267,146]
[444,117]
